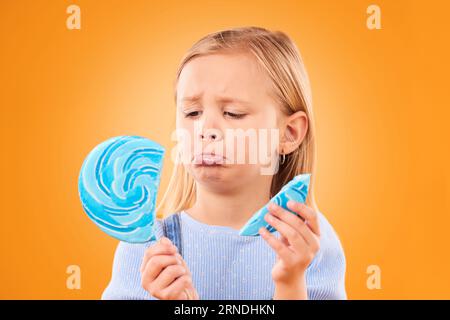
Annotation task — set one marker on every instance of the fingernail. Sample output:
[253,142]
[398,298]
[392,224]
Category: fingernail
[179,258]
[166,241]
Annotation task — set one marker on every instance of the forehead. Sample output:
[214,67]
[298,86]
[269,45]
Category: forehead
[226,74]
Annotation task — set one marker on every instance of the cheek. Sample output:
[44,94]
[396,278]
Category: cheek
[184,140]
[266,130]
[268,119]
[260,120]
[183,123]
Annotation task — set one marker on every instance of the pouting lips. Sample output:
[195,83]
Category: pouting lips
[208,159]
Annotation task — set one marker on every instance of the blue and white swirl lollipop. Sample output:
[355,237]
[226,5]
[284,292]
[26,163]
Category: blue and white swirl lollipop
[296,189]
[118,185]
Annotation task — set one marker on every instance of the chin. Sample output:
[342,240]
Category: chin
[209,173]
[222,178]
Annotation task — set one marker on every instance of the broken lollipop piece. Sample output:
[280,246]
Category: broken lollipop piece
[296,190]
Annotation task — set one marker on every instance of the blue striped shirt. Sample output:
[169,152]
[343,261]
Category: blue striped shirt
[227,266]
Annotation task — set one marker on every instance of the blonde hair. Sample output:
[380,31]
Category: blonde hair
[280,58]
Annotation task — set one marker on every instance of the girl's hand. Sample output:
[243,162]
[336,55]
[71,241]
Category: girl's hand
[165,274]
[296,248]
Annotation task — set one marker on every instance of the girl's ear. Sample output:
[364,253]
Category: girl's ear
[294,131]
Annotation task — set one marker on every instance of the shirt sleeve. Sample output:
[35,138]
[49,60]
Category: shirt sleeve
[325,276]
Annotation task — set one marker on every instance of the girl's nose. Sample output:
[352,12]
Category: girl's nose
[208,128]
[209,136]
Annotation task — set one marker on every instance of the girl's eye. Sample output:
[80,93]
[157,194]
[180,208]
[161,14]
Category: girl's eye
[234,115]
[227,113]
[191,114]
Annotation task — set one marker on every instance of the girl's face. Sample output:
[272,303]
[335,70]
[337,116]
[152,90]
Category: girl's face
[223,109]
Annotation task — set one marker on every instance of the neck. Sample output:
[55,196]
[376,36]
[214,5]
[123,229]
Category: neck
[232,208]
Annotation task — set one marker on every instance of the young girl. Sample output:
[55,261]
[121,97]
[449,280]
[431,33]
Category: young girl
[248,79]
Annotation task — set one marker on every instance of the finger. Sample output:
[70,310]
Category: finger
[183,263]
[187,294]
[190,293]
[277,245]
[155,266]
[294,237]
[307,213]
[286,216]
[284,240]
[168,275]
[194,293]
[176,289]
[160,248]
[295,222]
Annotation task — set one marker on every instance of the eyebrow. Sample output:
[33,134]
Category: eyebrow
[222,99]
[193,98]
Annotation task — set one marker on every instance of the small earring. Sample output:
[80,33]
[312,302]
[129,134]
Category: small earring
[283,158]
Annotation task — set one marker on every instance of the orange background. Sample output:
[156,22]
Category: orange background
[381,108]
